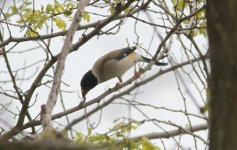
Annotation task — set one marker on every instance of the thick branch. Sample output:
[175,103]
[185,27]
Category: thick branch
[172,133]
[52,99]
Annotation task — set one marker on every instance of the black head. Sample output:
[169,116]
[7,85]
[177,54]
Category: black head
[88,82]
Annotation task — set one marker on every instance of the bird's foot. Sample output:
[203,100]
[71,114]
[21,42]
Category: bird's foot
[82,101]
[137,74]
[117,86]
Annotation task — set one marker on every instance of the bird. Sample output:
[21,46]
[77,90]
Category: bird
[111,65]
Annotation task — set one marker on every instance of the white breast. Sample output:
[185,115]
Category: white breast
[115,68]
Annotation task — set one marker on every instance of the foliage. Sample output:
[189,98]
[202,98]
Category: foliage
[183,8]
[35,19]
[119,132]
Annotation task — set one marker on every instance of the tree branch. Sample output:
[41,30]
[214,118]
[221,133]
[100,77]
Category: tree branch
[63,33]
[52,99]
[171,133]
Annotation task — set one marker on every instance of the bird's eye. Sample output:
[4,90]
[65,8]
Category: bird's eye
[124,54]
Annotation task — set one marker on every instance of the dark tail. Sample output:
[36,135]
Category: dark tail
[156,63]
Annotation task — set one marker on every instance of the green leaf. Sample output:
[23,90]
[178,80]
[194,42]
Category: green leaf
[97,139]
[203,31]
[180,5]
[41,20]
[13,9]
[200,14]
[112,10]
[86,16]
[118,126]
[89,131]
[132,120]
[147,145]
[194,32]
[78,138]
[174,2]
[127,10]
[30,33]
[67,12]
[49,8]
[70,5]
[60,23]
[58,7]
[186,22]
